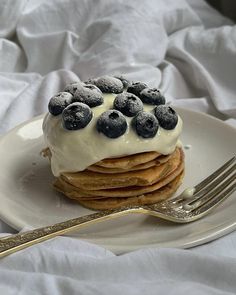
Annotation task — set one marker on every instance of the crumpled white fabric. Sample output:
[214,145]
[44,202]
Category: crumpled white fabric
[186,49]
[69,266]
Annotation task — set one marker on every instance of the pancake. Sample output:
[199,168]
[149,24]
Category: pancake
[63,185]
[93,180]
[128,162]
[147,186]
[157,161]
[124,182]
[151,198]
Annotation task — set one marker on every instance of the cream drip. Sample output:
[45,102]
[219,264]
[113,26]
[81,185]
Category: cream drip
[75,150]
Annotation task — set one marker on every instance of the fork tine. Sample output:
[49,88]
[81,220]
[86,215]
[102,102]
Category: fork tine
[213,192]
[210,187]
[213,202]
[215,174]
[207,184]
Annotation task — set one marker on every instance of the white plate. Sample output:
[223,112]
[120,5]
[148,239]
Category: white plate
[27,197]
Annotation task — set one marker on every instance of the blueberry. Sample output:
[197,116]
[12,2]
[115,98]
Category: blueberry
[128,103]
[112,124]
[136,88]
[166,116]
[72,87]
[145,124]
[89,94]
[109,84]
[76,116]
[124,81]
[58,102]
[152,96]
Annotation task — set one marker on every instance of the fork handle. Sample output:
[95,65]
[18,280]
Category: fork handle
[13,243]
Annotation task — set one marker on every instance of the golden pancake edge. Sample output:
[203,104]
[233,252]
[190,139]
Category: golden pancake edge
[147,184]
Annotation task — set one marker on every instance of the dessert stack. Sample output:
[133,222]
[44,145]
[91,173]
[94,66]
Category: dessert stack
[113,143]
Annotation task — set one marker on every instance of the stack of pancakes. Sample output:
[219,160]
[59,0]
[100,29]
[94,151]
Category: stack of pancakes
[138,179]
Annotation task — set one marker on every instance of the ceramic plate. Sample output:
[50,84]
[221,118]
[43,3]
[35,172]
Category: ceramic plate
[27,197]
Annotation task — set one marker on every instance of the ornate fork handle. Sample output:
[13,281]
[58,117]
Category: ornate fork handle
[14,243]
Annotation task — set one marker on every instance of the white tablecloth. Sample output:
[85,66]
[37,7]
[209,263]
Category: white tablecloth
[186,49]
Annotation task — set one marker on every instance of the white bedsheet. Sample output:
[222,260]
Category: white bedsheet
[186,49]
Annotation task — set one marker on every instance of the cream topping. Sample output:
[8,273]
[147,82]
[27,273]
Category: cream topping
[188,193]
[75,150]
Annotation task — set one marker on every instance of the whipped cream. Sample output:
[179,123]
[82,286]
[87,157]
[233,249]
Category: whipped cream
[75,150]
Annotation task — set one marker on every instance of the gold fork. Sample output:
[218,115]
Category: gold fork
[191,205]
